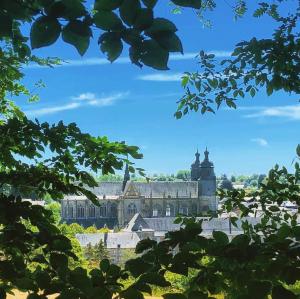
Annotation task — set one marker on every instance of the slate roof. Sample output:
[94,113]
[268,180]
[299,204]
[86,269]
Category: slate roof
[164,224]
[124,239]
[108,188]
[136,222]
[113,190]
[172,189]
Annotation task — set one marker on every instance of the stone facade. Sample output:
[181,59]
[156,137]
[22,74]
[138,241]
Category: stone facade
[120,201]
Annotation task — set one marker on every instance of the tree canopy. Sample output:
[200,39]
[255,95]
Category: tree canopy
[36,257]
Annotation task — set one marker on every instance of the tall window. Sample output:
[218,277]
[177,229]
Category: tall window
[70,212]
[156,212]
[102,211]
[92,212]
[131,209]
[80,211]
[113,210]
[168,211]
[183,210]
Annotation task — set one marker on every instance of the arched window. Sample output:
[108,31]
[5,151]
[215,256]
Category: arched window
[102,211]
[156,211]
[131,209]
[65,212]
[183,209]
[113,210]
[169,210]
[80,211]
[92,212]
[70,212]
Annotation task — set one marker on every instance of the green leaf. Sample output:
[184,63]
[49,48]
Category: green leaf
[80,279]
[144,245]
[44,32]
[77,33]
[252,92]
[5,25]
[131,293]
[111,44]
[153,55]
[104,265]
[129,11]
[137,266]
[279,292]
[173,296]
[155,279]
[169,41]
[220,237]
[131,36]
[149,3]
[74,9]
[178,115]
[107,4]
[58,260]
[188,3]
[69,9]
[144,19]
[184,80]
[107,20]
[160,25]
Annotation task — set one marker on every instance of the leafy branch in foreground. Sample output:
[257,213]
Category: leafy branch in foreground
[271,64]
[56,159]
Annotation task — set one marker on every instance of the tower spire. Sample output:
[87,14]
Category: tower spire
[206,153]
[195,167]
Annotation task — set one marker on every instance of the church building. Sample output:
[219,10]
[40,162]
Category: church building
[120,201]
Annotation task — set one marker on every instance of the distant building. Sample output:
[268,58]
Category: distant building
[120,201]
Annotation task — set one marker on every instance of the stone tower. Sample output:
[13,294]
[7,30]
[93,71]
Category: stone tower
[208,184]
[195,168]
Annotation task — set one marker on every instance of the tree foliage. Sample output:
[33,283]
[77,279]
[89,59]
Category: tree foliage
[35,255]
[269,64]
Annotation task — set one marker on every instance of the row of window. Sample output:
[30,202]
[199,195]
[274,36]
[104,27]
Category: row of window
[157,210]
[91,213]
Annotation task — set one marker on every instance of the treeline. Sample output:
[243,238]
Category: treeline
[185,175]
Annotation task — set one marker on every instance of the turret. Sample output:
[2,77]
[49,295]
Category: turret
[195,168]
[207,177]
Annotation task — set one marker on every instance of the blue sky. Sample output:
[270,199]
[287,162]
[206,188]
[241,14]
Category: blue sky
[124,102]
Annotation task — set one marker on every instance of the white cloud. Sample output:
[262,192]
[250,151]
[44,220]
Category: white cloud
[51,110]
[93,100]
[291,112]
[161,77]
[123,60]
[84,99]
[260,141]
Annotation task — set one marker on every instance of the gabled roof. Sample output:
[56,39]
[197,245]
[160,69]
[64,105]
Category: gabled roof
[136,223]
[114,240]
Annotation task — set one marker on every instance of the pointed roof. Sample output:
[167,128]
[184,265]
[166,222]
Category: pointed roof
[136,223]
[206,162]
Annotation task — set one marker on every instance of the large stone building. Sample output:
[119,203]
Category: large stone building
[120,201]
